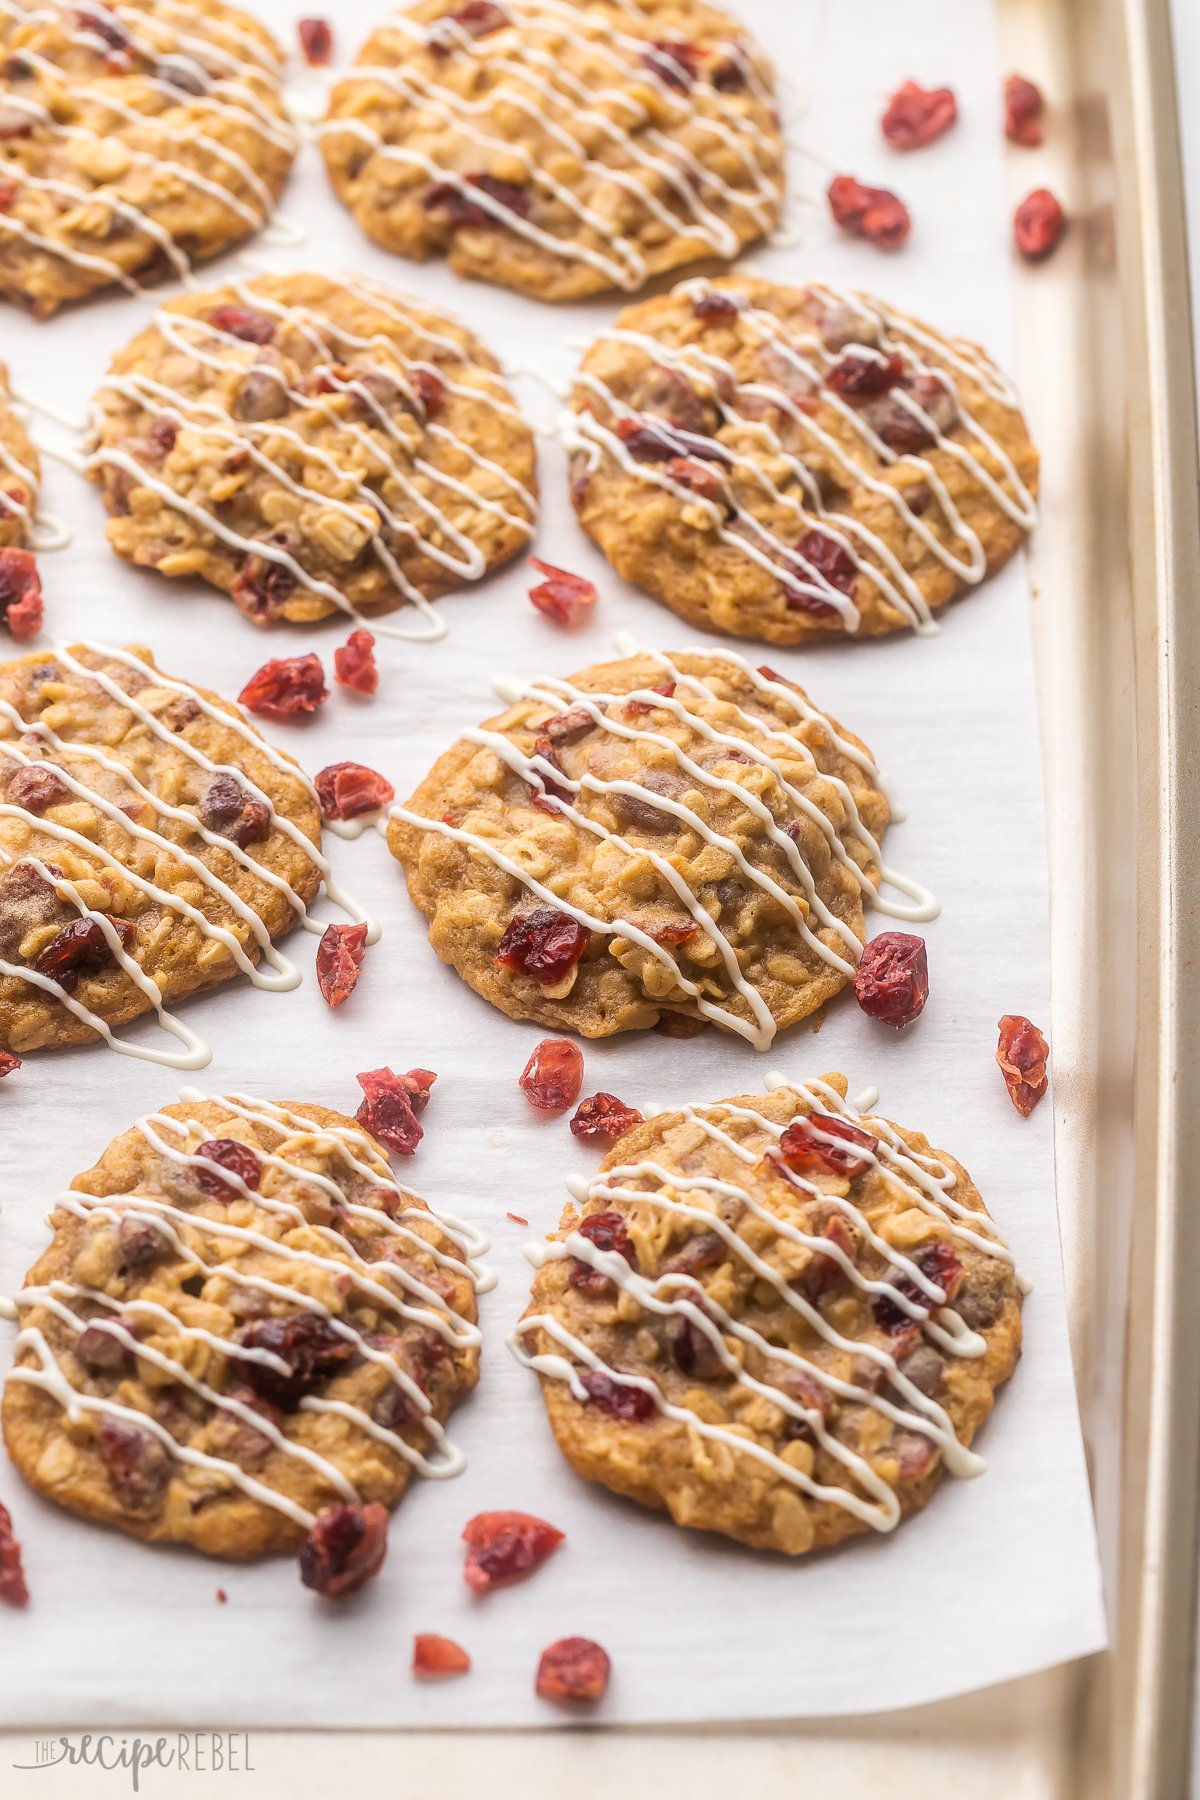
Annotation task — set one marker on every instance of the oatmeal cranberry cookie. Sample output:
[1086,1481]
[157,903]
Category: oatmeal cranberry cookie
[796,464]
[559,148]
[311,444]
[667,839]
[152,844]
[241,1321]
[774,1318]
[20,474]
[136,139]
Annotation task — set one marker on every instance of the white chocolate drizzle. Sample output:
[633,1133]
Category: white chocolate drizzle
[271,969]
[805,360]
[923,1181]
[679,189]
[425,524]
[218,66]
[198,1239]
[832,940]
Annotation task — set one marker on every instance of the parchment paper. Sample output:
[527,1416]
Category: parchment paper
[999,1576]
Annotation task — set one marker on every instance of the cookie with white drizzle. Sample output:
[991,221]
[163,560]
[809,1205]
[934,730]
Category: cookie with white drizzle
[136,139]
[674,839]
[796,464]
[152,845]
[773,1318]
[241,1320]
[312,444]
[20,474]
[558,148]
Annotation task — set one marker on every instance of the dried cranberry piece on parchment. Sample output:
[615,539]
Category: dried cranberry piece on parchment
[504,1547]
[1022,1054]
[553,1076]
[573,1669]
[346,790]
[916,116]
[22,608]
[892,980]
[354,663]
[603,1115]
[562,596]
[339,961]
[434,1655]
[286,687]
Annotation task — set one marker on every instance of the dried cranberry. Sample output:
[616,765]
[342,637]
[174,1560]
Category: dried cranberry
[430,390]
[479,18]
[504,1547]
[632,1404]
[392,1103]
[561,596]
[8,1063]
[939,1264]
[832,560]
[862,377]
[263,589]
[707,1250]
[635,708]
[100,1349]
[692,1350]
[603,1115]
[285,687]
[802,1151]
[12,1575]
[543,944]
[37,788]
[1022,1057]
[433,1655]
[80,949]
[226,810]
[354,663]
[453,202]
[307,1343]
[674,62]
[345,1547]
[553,1076]
[241,322]
[316,41]
[140,1243]
[1023,109]
[239,1159]
[824,1271]
[698,478]
[892,980]
[138,1465]
[1038,224]
[728,75]
[22,608]
[869,212]
[339,958]
[676,931]
[568,727]
[104,26]
[573,1669]
[608,1232]
[716,305]
[346,790]
[915,116]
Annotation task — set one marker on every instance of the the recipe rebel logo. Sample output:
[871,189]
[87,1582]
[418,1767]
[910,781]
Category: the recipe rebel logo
[194,1752]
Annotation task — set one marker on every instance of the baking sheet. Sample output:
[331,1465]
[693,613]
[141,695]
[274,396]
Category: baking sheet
[999,1576]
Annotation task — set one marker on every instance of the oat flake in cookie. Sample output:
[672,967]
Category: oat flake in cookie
[313,444]
[241,1322]
[20,474]
[796,464]
[135,140]
[559,148]
[773,1318]
[673,840]
[152,845]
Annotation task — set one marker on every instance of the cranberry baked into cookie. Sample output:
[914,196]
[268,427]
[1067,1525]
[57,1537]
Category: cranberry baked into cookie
[20,474]
[559,147]
[241,1322]
[136,138]
[796,464]
[311,444]
[774,1318]
[666,839]
[152,844]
